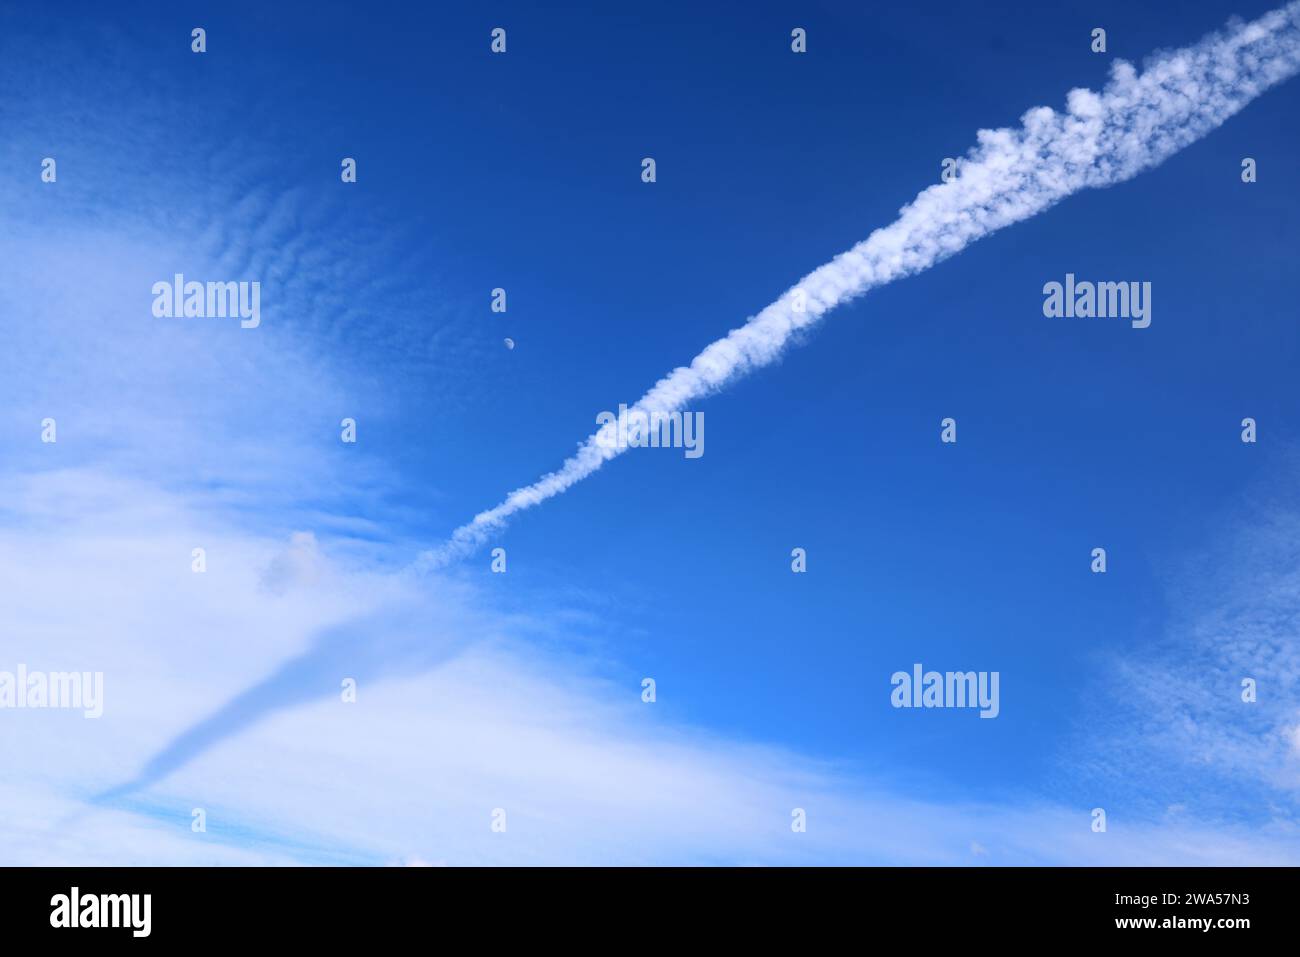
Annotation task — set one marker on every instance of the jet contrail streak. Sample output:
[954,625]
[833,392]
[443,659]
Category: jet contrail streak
[1137,122]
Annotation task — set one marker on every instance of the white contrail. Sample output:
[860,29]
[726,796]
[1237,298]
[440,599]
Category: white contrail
[1135,123]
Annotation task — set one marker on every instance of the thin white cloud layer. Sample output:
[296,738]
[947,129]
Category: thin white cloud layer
[1211,706]
[222,692]
[1137,122]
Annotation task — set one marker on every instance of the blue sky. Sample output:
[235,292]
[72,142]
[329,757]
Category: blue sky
[520,690]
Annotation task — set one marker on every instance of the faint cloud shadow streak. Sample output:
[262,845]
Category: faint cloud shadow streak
[367,649]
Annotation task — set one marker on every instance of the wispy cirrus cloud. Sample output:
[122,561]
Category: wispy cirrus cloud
[353,312]
[1172,725]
